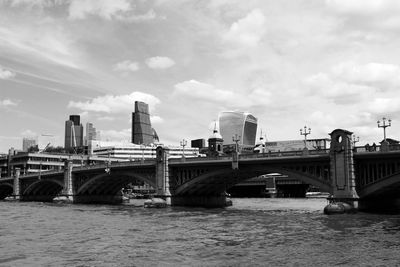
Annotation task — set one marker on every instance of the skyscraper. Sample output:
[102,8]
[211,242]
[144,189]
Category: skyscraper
[73,132]
[243,124]
[91,133]
[142,133]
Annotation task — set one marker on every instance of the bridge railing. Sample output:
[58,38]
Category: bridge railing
[294,153]
[369,148]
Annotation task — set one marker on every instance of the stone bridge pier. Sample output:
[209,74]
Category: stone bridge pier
[342,169]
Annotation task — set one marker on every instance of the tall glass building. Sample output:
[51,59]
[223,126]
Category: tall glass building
[243,124]
[142,133]
[73,132]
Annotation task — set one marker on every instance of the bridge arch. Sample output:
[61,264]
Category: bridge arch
[217,181]
[387,186]
[44,190]
[6,190]
[111,184]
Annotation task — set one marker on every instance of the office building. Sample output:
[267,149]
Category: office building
[91,133]
[129,151]
[240,127]
[28,142]
[73,132]
[142,133]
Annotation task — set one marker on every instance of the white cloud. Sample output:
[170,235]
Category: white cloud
[115,135]
[6,74]
[7,102]
[202,91]
[79,9]
[362,7]
[368,73]
[209,93]
[29,133]
[249,30]
[126,65]
[350,82]
[122,10]
[115,104]
[384,105]
[159,62]
[156,119]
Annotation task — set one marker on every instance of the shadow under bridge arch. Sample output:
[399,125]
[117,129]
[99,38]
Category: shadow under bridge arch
[111,184]
[216,182]
[42,190]
[6,190]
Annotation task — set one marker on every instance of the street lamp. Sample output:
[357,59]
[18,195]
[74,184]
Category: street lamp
[355,140]
[236,139]
[183,144]
[305,133]
[384,126]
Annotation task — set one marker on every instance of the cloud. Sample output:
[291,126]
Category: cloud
[126,65]
[350,82]
[7,102]
[156,119]
[122,10]
[6,74]
[115,135]
[209,93]
[29,133]
[249,30]
[362,7]
[79,9]
[115,104]
[159,62]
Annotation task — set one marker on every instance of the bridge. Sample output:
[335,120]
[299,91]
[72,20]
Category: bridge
[365,179]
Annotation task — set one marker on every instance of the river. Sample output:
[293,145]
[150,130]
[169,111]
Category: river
[253,232]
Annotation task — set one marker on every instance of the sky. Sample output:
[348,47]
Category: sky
[324,64]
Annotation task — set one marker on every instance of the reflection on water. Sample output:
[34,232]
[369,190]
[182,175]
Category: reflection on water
[253,232]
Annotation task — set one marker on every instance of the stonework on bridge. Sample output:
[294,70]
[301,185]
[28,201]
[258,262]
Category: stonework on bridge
[342,167]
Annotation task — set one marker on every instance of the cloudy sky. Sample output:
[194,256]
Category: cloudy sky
[325,64]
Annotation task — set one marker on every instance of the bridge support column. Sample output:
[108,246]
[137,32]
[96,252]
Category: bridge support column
[17,184]
[342,169]
[68,190]
[162,174]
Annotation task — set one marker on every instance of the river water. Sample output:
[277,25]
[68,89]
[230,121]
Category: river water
[253,232]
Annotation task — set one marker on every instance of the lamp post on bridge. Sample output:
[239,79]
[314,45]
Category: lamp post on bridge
[355,140]
[384,126]
[183,144]
[305,133]
[236,139]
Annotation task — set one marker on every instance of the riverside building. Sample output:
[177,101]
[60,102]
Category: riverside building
[128,151]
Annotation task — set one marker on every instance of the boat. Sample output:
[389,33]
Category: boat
[155,203]
[317,194]
[314,192]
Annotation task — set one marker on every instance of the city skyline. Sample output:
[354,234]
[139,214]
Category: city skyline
[325,64]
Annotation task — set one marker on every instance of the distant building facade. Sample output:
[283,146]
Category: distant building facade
[91,133]
[28,142]
[73,132]
[142,133]
[199,143]
[129,151]
[238,124]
